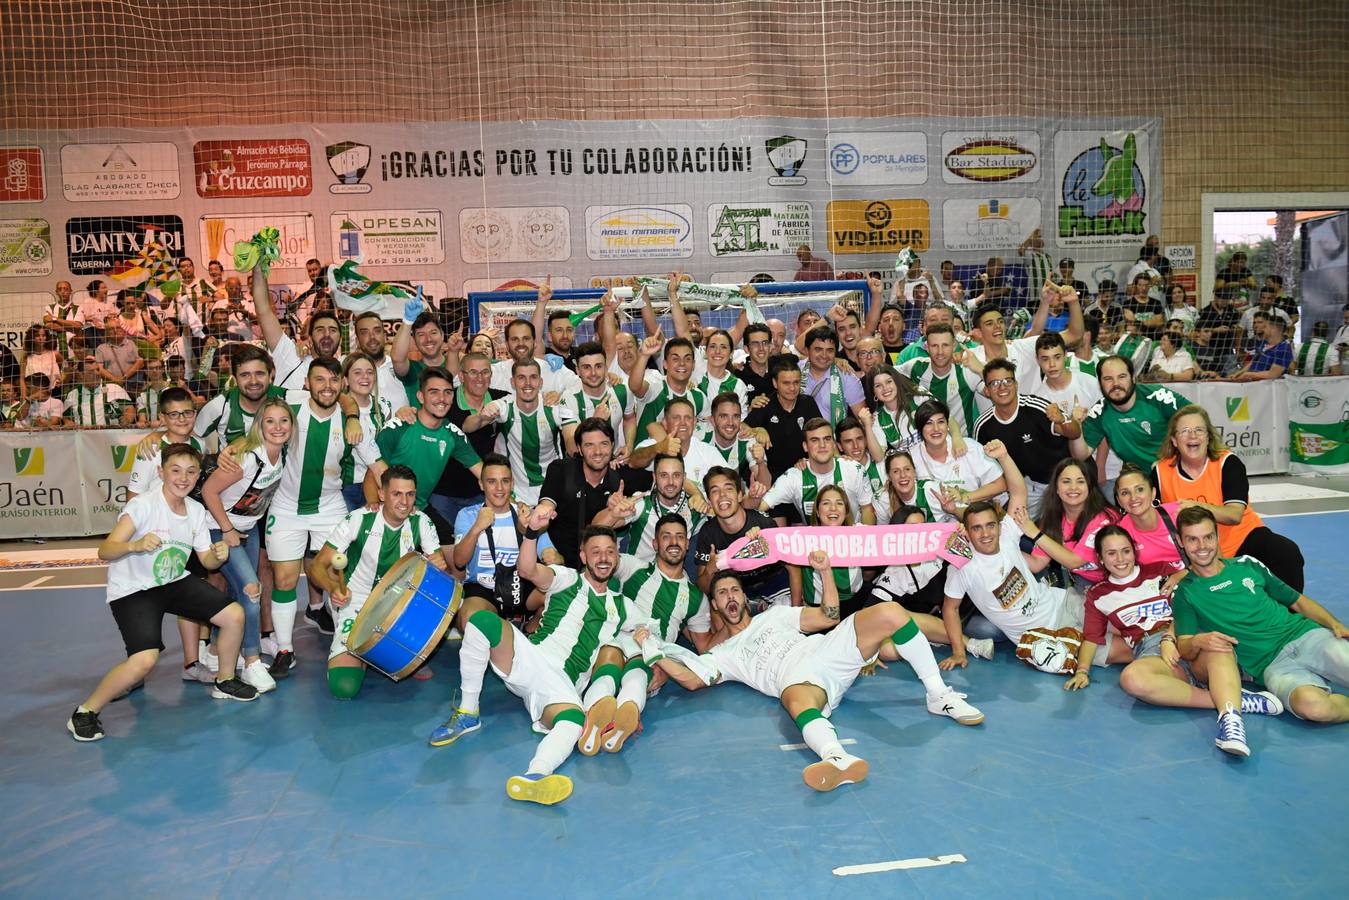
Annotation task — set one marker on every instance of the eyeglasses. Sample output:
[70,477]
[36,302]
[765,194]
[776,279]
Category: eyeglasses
[1191,432]
[761,343]
[1002,382]
[180,414]
[870,352]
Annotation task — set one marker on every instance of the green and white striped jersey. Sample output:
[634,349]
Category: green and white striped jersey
[738,456]
[671,604]
[711,386]
[1315,357]
[531,441]
[229,421]
[641,528]
[847,580]
[95,407]
[620,400]
[956,389]
[313,479]
[372,545]
[651,407]
[577,620]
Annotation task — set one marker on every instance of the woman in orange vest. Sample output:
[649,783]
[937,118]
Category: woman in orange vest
[1197,469]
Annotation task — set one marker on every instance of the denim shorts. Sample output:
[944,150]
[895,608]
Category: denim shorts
[1318,658]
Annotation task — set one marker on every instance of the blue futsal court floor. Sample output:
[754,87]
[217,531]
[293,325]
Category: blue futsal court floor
[1090,794]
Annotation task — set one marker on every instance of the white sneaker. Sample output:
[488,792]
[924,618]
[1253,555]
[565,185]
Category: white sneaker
[256,674]
[979,647]
[208,659]
[269,646]
[828,774]
[951,702]
[198,672]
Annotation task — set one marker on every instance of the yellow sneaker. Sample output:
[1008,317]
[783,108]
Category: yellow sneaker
[544,789]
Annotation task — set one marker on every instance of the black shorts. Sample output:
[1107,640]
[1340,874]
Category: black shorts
[511,612]
[444,527]
[140,616]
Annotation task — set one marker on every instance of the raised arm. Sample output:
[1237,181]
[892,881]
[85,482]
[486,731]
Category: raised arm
[262,302]
[1015,485]
[540,317]
[681,321]
[528,564]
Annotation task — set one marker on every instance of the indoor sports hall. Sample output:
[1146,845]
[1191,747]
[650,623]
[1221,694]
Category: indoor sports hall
[480,154]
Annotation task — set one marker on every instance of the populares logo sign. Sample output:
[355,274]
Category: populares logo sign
[255,168]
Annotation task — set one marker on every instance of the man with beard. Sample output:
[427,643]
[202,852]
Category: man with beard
[991,327]
[230,415]
[325,338]
[730,520]
[637,516]
[1132,418]
[596,396]
[561,335]
[426,446]
[578,487]
[370,340]
[420,329]
[309,504]
[651,402]
[546,670]
[657,591]
[457,487]
[534,433]
[740,448]
[783,653]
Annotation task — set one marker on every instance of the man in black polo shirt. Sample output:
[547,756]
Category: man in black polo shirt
[458,487]
[782,414]
[755,371]
[1033,430]
[578,487]
[725,492]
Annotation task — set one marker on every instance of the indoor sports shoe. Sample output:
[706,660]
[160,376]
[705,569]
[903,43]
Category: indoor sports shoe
[828,774]
[1232,734]
[198,672]
[256,674]
[598,719]
[626,721]
[282,664]
[951,702]
[981,648]
[1261,702]
[207,658]
[85,726]
[460,723]
[545,789]
[322,619]
[268,645]
[234,689]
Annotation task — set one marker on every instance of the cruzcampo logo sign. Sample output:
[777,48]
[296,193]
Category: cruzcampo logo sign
[28,461]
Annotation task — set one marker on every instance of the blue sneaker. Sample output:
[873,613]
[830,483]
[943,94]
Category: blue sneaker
[1232,734]
[1262,702]
[460,723]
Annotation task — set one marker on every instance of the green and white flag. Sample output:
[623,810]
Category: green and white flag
[1318,425]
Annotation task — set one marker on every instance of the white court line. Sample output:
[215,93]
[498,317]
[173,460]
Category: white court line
[919,862]
[36,581]
[786,747]
[54,587]
[1315,512]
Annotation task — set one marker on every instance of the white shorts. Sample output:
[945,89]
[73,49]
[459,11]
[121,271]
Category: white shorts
[290,537]
[535,679]
[343,620]
[832,666]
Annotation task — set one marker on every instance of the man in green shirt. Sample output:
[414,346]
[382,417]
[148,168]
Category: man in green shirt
[424,446]
[1132,418]
[1234,611]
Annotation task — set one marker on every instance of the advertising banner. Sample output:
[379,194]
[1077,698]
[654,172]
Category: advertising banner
[252,168]
[639,232]
[878,226]
[128,171]
[389,237]
[25,248]
[515,234]
[985,157]
[40,490]
[988,224]
[297,243]
[1253,420]
[95,245]
[22,178]
[1318,425]
[1104,189]
[762,229]
[877,157]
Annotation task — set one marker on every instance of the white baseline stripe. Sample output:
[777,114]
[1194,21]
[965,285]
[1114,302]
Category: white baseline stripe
[786,747]
[1317,512]
[36,581]
[920,862]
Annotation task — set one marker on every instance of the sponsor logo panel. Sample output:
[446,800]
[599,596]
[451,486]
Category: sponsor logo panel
[990,157]
[348,161]
[253,168]
[877,157]
[25,248]
[758,229]
[390,237]
[127,171]
[1103,189]
[96,245]
[22,175]
[878,226]
[639,232]
[297,244]
[514,234]
[991,223]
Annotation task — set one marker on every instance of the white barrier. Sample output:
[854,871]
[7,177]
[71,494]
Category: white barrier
[73,483]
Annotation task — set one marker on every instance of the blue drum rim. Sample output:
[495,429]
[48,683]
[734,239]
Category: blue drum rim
[384,625]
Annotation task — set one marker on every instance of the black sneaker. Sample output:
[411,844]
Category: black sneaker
[322,619]
[234,689]
[85,726]
[282,664]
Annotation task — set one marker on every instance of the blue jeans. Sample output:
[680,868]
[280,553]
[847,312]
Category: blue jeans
[354,494]
[242,569]
[448,507]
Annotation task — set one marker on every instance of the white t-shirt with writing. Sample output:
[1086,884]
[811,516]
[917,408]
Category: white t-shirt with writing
[1005,591]
[178,535]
